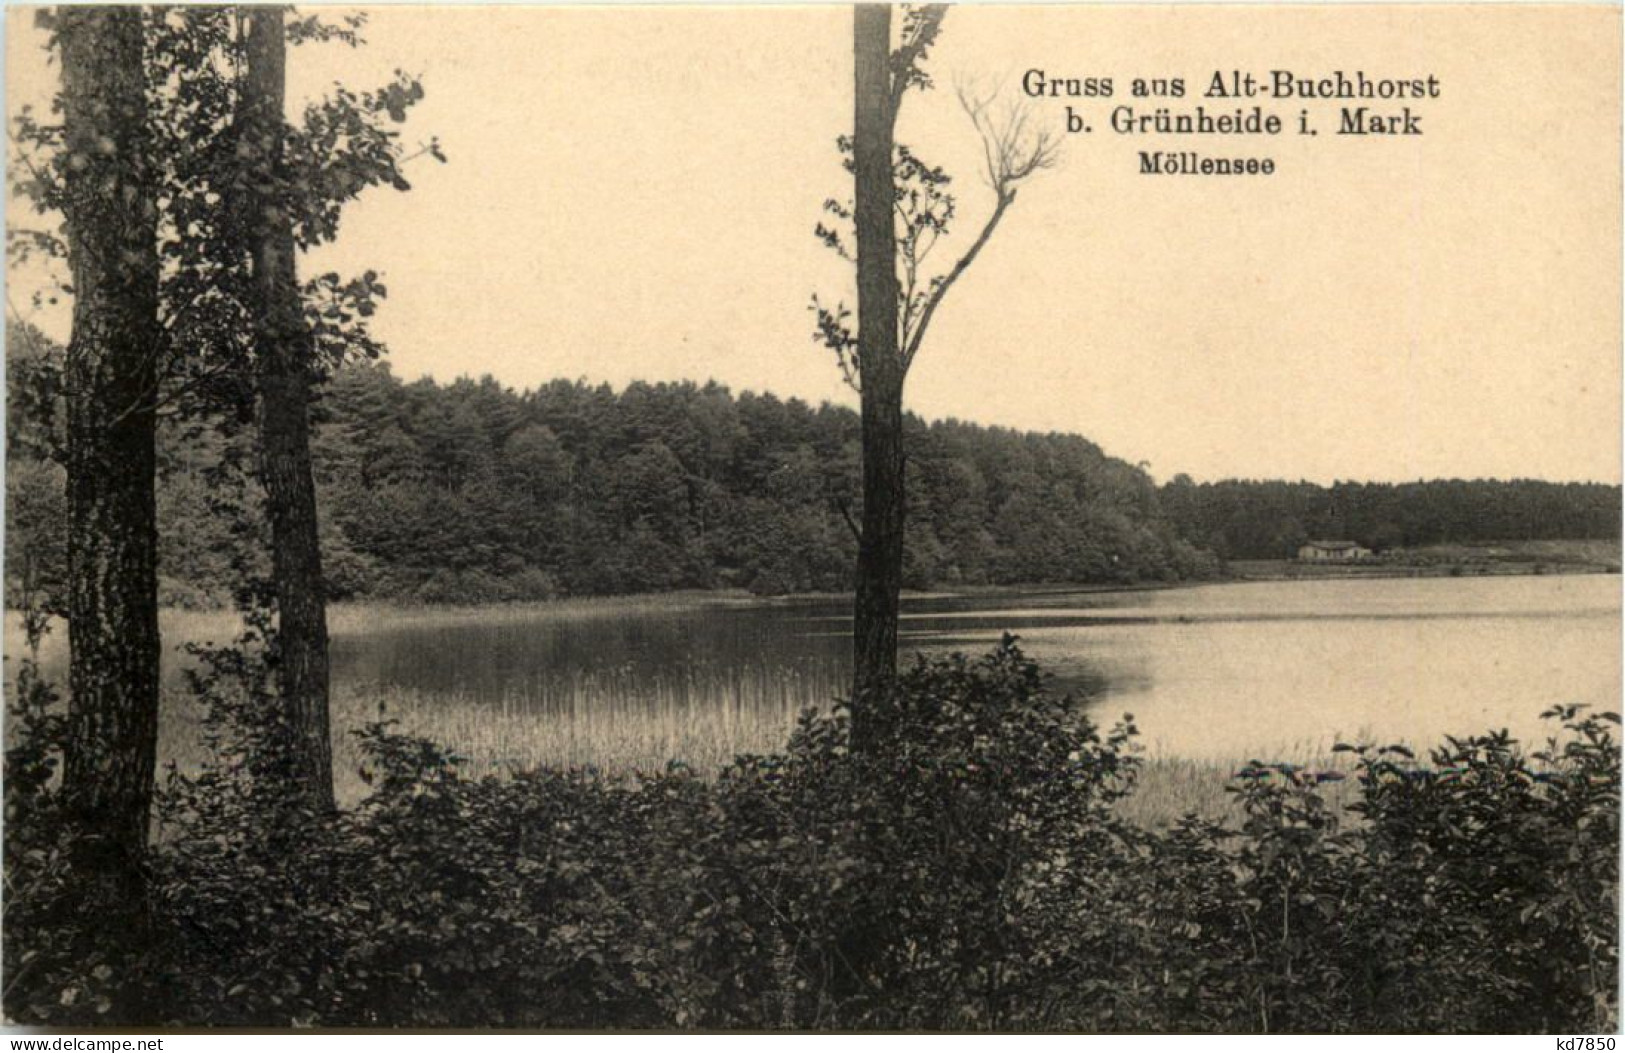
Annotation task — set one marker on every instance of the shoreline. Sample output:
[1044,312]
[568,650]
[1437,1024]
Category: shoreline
[344,614]
[691,598]
[1291,571]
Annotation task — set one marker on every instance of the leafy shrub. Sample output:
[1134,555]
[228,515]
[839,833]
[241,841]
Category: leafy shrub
[910,873]
[1490,880]
[946,857]
[73,954]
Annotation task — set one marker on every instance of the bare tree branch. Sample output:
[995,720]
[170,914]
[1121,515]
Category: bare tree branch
[1012,154]
[946,282]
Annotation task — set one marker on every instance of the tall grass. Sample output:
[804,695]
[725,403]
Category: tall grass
[619,724]
[613,720]
[703,719]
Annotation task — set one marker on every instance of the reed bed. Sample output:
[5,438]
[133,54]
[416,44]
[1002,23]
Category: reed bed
[612,720]
[590,726]
[645,731]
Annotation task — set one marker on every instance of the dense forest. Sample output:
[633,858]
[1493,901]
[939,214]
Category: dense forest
[1246,519]
[471,492]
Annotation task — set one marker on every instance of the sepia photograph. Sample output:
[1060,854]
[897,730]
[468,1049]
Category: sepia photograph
[1082,518]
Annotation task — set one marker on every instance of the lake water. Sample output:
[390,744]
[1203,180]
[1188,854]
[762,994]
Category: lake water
[1215,671]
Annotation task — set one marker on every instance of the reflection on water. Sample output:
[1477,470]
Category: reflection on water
[1209,671]
[1220,671]
[1212,671]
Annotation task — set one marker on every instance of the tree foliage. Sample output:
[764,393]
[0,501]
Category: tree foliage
[1263,519]
[214,191]
[471,492]
[154,181]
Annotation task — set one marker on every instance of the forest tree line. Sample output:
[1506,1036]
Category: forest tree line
[471,492]
[1248,519]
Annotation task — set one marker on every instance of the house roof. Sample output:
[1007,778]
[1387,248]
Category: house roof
[1333,544]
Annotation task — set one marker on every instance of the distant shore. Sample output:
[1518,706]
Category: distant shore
[1433,561]
[1446,561]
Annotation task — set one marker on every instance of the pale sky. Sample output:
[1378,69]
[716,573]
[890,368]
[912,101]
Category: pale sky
[631,195]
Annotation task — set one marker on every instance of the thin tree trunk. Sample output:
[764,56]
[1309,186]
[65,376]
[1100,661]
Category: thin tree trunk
[285,350]
[111,374]
[880,546]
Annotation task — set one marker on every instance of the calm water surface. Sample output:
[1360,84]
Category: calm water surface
[1215,671]
[1211,671]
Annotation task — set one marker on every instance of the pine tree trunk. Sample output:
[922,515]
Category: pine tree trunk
[880,548]
[285,350]
[111,375]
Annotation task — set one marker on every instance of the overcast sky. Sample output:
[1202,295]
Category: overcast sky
[631,194]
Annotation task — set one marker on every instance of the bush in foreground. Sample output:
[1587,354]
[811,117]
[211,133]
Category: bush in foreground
[955,865]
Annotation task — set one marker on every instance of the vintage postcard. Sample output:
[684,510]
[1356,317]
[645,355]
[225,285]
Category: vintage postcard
[1086,518]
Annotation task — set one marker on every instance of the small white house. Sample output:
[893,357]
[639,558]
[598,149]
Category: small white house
[1332,552]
